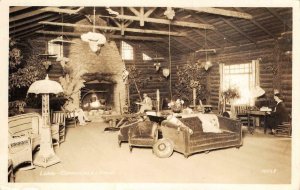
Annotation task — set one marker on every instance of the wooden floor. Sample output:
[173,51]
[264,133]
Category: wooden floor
[91,155]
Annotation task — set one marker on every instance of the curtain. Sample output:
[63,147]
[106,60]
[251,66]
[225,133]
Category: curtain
[221,105]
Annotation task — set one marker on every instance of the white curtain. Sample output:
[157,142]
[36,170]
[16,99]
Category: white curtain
[221,70]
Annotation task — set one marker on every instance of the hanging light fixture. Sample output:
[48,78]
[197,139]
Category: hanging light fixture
[169,13]
[208,64]
[61,58]
[94,39]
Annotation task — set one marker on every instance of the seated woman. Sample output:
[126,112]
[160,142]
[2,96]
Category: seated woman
[70,107]
[278,115]
[146,104]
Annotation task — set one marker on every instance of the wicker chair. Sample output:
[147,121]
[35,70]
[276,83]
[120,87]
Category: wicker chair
[20,151]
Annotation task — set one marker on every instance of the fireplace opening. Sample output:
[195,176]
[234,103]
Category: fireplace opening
[97,95]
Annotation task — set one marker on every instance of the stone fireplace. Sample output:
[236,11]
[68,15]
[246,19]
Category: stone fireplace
[103,71]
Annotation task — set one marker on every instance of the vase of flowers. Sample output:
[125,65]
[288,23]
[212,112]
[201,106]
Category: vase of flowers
[176,106]
[230,95]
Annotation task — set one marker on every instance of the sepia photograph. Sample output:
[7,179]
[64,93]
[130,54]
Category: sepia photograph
[133,96]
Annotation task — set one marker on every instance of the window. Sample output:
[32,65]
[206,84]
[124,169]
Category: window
[55,48]
[146,57]
[127,51]
[242,77]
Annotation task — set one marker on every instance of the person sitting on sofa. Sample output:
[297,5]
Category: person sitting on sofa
[278,115]
[79,113]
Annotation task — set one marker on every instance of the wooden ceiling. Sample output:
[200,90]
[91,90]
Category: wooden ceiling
[190,29]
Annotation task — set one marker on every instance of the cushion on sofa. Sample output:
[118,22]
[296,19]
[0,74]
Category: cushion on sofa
[209,122]
[178,123]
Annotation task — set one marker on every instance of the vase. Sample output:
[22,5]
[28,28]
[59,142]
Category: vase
[176,109]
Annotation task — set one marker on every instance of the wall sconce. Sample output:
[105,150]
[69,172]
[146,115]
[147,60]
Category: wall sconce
[157,66]
[166,72]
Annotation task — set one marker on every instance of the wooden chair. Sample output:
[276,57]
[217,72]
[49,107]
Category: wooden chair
[242,114]
[71,118]
[284,129]
[59,118]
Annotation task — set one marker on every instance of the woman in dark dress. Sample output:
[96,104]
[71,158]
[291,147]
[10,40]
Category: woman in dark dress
[278,115]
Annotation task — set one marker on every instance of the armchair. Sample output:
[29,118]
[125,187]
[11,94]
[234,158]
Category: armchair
[143,134]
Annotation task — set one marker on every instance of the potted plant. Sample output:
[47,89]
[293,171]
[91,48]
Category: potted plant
[229,96]
[24,69]
[176,106]
[191,82]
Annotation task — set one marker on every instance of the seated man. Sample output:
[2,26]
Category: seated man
[278,115]
[70,107]
[146,104]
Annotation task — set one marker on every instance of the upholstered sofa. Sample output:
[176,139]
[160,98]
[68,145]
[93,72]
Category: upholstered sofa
[188,137]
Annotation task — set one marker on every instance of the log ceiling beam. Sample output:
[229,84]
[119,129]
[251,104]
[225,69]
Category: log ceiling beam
[279,18]
[134,11]
[142,21]
[165,21]
[215,30]
[207,38]
[77,34]
[182,43]
[174,48]
[149,12]
[238,30]
[222,12]
[26,33]
[193,40]
[26,15]
[258,25]
[115,28]
[17,8]
[29,14]
[22,34]
[59,10]
[28,21]
[25,27]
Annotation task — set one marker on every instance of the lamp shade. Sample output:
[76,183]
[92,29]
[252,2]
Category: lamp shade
[45,86]
[257,91]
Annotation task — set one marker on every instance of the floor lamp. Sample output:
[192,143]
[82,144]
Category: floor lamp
[46,156]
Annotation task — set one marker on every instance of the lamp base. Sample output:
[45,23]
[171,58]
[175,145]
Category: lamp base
[45,161]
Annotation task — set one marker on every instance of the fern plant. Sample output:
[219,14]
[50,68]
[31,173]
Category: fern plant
[71,83]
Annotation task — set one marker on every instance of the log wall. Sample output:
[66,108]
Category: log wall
[275,69]
[152,79]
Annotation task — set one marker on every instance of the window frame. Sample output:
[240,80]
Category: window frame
[131,48]
[246,68]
